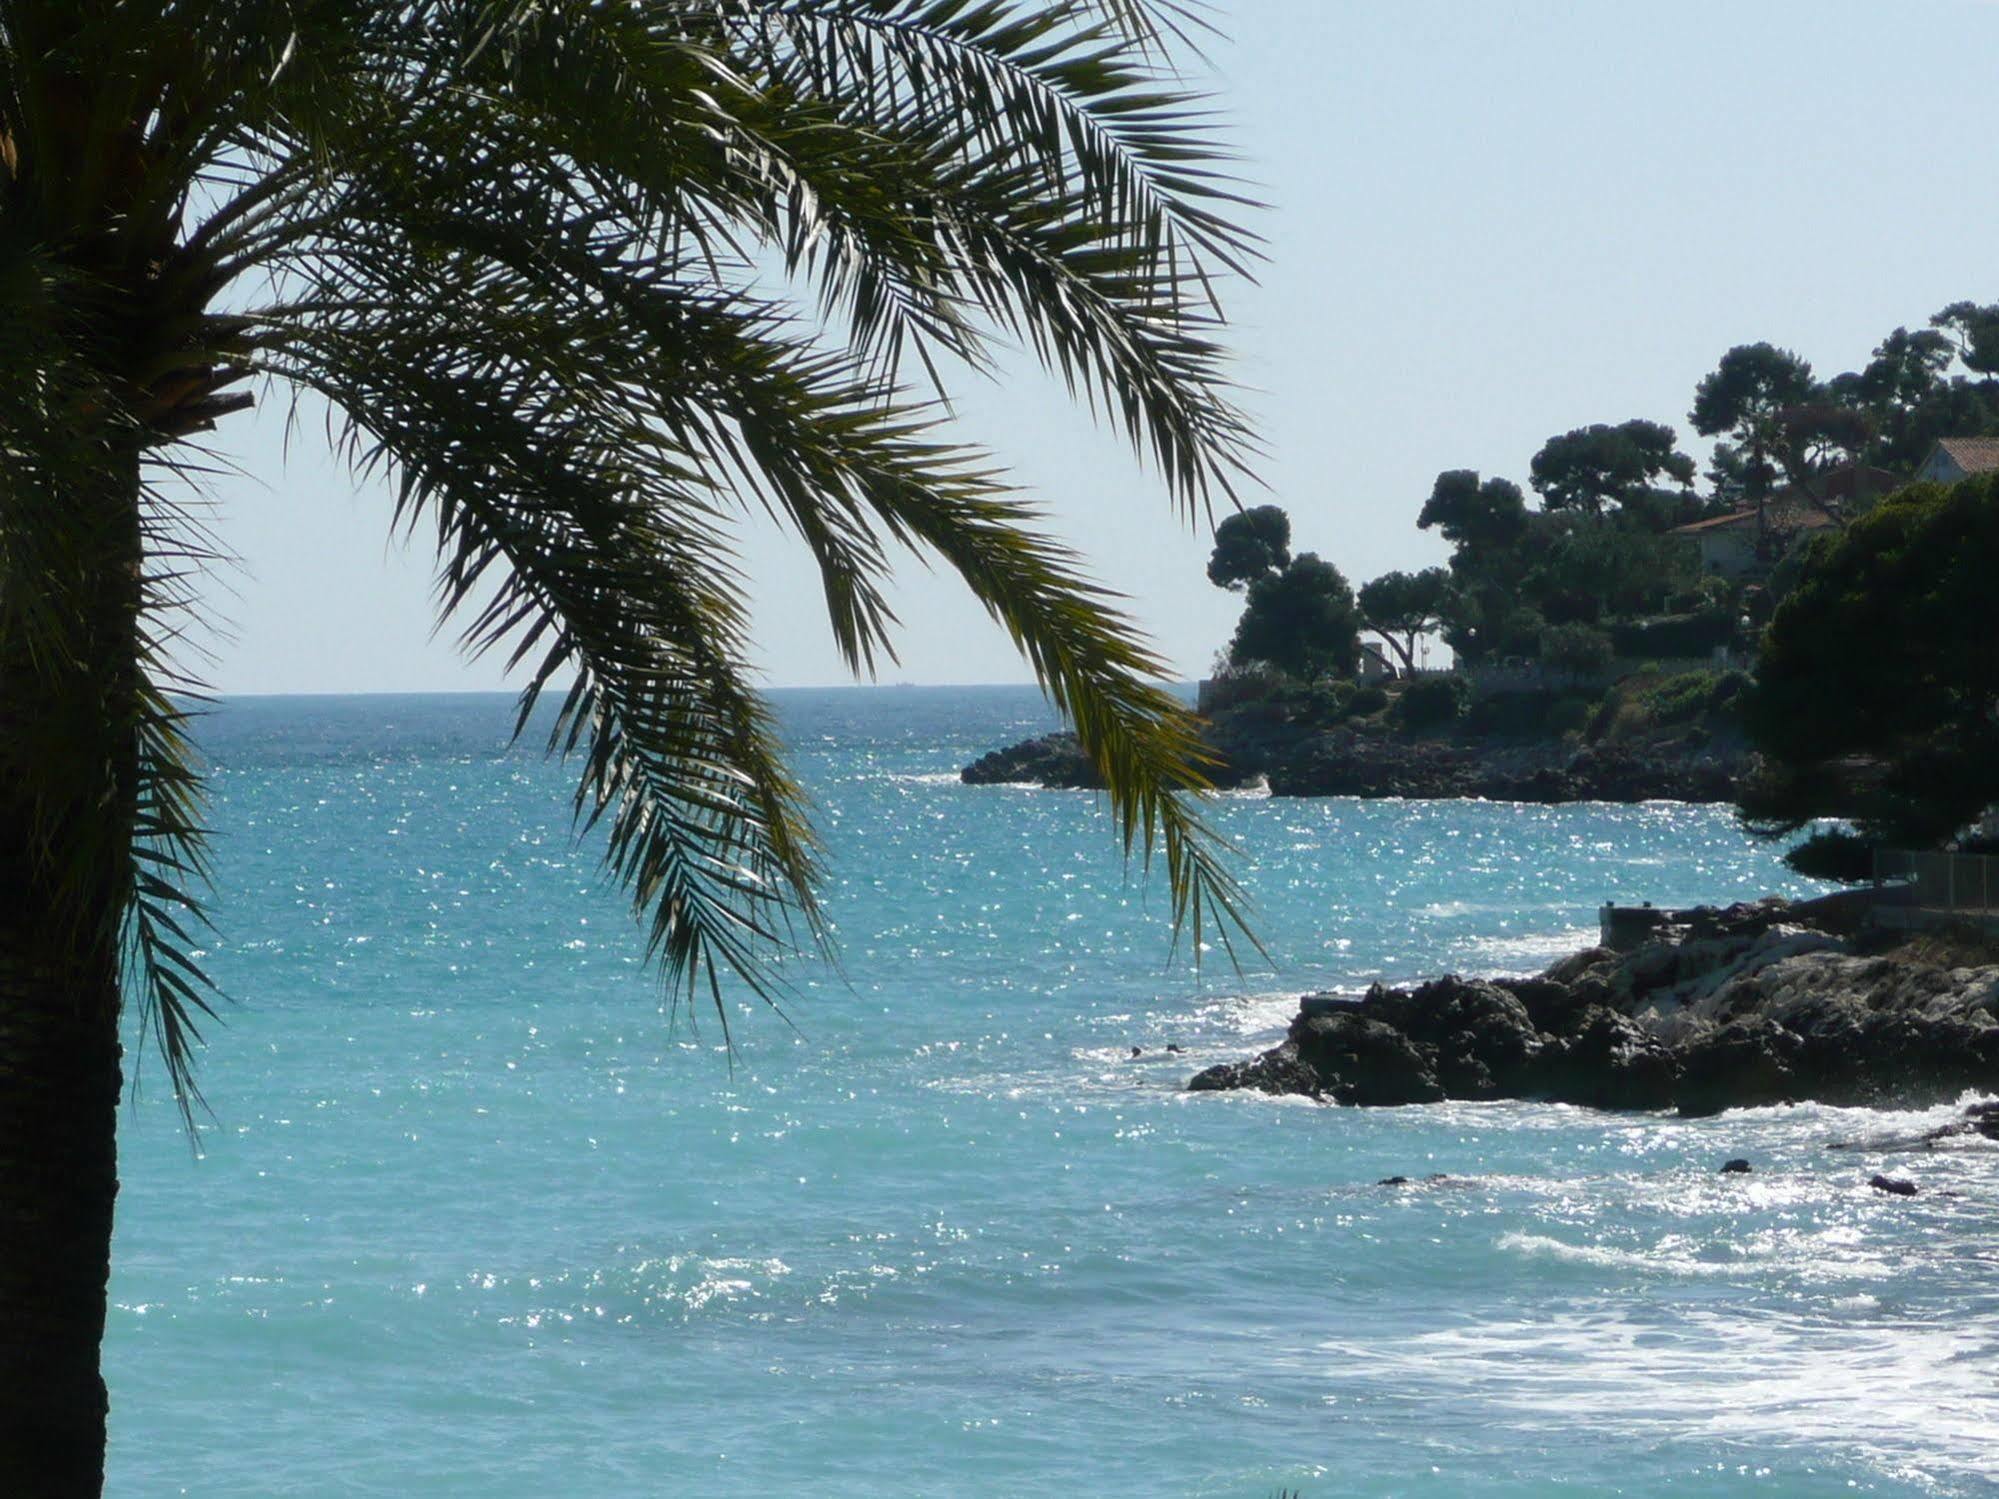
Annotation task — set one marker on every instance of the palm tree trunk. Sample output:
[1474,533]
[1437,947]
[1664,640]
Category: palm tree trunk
[59,1086]
[67,790]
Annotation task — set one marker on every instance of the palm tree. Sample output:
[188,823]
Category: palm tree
[581,280]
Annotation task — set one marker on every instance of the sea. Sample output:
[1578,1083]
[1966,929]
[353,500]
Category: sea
[478,1210]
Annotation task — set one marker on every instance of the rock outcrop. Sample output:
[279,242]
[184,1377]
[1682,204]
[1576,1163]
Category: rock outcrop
[1056,761]
[1298,761]
[1720,1009]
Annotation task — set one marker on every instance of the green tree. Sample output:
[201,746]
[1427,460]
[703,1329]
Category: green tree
[1906,368]
[1875,692]
[1399,606]
[1250,544]
[1974,329]
[1601,467]
[1303,621]
[1745,398]
[1474,515]
[533,258]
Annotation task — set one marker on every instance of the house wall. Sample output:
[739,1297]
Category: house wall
[1730,553]
[1939,468]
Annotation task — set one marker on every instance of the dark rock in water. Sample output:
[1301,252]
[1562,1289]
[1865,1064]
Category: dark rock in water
[1736,1167]
[1361,1060]
[1980,1119]
[1743,1065]
[1053,760]
[1745,1006]
[1479,1040]
[1138,1051]
[1895,1185]
[1393,1181]
[1276,1071]
[1612,1062]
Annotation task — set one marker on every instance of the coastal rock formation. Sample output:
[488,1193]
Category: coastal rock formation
[1729,1008]
[1056,761]
[1373,765]
[1299,761]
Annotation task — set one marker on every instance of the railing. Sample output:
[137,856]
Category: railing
[1940,881]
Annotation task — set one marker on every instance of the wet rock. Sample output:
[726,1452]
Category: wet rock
[1393,1181]
[1611,1063]
[1365,1061]
[1744,1065]
[1478,1039]
[1276,1071]
[1984,1119]
[1056,761]
[1736,1007]
[1736,1167]
[1896,1186]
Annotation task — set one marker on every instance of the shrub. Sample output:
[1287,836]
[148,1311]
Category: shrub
[1569,715]
[1365,700]
[1836,855]
[1676,699]
[1673,635]
[1432,702]
[1582,649]
[1321,702]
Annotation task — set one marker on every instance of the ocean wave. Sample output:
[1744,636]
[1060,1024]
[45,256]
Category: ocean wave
[1806,1257]
[1912,1400]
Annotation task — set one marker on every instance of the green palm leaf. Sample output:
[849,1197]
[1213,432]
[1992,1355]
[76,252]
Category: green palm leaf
[588,283]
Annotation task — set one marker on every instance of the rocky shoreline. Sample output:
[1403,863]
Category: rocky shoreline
[1741,1007]
[1351,762]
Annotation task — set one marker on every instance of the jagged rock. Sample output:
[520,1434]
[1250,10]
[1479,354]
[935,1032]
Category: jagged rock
[1360,1060]
[1054,760]
[1747,1064]
[1276,1071]
[1612,1062]
[1744,1006]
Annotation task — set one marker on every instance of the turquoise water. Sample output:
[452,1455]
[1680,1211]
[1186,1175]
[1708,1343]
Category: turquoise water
[477,1217]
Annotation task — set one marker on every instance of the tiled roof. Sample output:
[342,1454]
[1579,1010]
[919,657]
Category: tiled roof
[1780,514]
[1975,455]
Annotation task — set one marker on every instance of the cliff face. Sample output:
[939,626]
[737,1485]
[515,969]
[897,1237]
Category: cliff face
[1730,1008]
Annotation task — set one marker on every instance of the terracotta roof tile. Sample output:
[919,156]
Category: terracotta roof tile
[1975,455]
[1780,514]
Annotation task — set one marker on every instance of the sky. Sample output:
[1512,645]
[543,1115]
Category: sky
[1487,223]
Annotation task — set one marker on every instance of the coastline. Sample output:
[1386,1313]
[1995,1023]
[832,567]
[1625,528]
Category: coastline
[1300,758]
[1717,1008]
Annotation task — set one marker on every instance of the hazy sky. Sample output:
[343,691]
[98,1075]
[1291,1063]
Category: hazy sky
[1490,222]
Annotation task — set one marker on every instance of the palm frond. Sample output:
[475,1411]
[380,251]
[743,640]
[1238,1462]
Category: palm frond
[586,281]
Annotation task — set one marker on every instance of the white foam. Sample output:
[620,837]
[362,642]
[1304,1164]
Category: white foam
[1911,1399]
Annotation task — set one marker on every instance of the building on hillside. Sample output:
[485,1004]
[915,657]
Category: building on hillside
[1747,543]
[1374,664]
[1955,458]
[1849,489]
